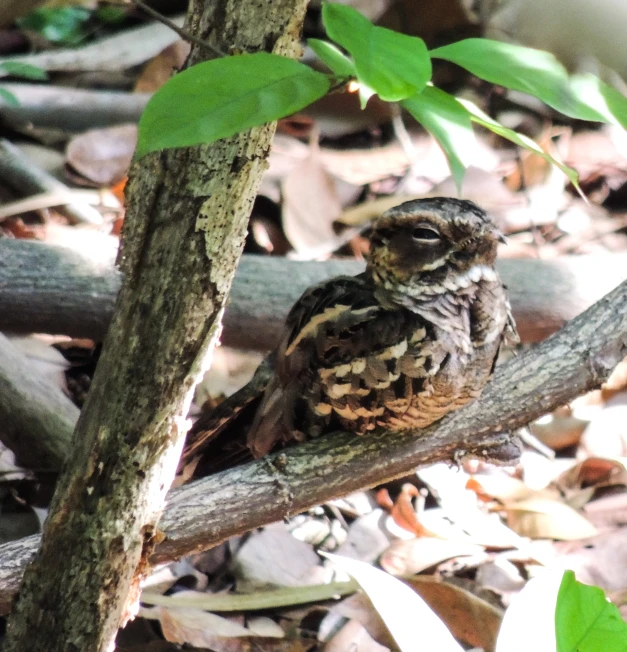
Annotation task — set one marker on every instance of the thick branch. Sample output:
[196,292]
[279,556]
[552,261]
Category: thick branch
[208,511]
[55,289]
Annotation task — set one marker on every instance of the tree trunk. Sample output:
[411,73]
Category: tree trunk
[184,232]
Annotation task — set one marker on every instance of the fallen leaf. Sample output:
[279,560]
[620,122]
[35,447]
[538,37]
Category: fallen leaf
[469,618]
[400,608]
[541,518]
[416,555]
[103,155]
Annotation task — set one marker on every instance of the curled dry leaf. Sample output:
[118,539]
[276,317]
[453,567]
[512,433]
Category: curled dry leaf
[273,557]
[400,608]
[416,555]
[103,155]
[542,518]
[469,618]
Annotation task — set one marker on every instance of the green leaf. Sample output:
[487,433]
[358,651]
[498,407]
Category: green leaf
[483,119]
[24,70]
[604,99]
[340,64]
[395,66]
[8,97]
[522,69]
[58,24]
[449,122]
[585,620]
[222,97]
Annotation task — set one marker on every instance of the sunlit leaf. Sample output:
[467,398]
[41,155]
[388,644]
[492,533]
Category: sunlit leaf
[449,123]
[406,615]
[522,69]
[607,101]
[586,621]
[339,63]
[483,119]
[394,65]
[222,97]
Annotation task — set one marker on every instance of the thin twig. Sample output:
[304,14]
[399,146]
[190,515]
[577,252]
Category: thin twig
[179,30]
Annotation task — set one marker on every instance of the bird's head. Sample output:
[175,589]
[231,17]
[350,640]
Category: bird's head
[432,242]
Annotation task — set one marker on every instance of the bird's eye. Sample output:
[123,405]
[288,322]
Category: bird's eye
[425,234]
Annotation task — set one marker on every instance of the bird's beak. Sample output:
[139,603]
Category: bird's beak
[497,234]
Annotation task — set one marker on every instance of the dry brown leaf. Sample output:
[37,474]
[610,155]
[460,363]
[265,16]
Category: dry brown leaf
[158,70]
[559,431]
[103,155]
[196,627]
[592,472]
[542,518]
[469,618]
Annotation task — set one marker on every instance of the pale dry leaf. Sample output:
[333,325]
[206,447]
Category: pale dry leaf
[558,431]
[310,204]
[600,560]
[368,536]
[264,627]
[357,607]
[606,435]
[366,212]
[499,575]
[400,608]
[103,155]
[196,627]
[541,518]
[418,554]
[273,557]
[608,511]
[353,636]
[462,509]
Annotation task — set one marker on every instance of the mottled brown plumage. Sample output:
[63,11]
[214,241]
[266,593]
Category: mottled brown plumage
[412,338]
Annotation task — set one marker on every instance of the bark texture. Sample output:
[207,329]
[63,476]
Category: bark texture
[184,231]
[71,291]
[204,513]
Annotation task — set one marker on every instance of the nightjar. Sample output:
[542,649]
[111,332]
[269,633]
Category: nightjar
[397,347]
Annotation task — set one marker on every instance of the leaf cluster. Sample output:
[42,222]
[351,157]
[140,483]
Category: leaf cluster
[219,98]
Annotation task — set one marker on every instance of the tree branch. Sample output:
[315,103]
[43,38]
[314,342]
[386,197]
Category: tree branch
[204,513]
[70,291]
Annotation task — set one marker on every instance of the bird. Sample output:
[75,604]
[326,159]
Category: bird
[395,348]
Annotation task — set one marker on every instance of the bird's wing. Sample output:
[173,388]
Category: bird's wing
[331,326]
